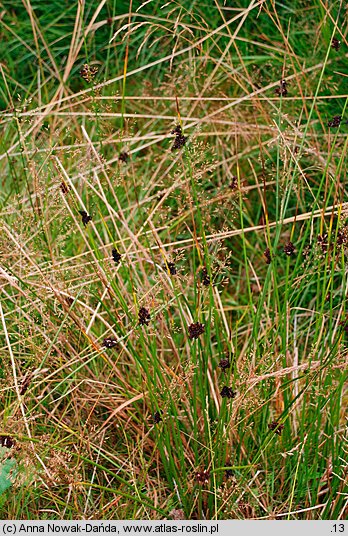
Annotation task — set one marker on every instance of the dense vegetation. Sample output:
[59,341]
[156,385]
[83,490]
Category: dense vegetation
[173,259]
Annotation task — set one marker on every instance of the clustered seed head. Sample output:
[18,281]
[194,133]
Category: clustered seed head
[224,364]
[267,254]
[336,44]
[289,249]
[124,157]
[25,383]
[203,477]
[341,240]
[7,441]
[282,89]
[116,255]
[205,277]
[180,139]
[88,72]
[109,342]
[276,427]
[144,317]
[85,217]
[227,392]
[323,242]
[64,187]
[171,268]
[228,473]
[157,417]
[342,236]
[234,183]
[335,121]
[195,330]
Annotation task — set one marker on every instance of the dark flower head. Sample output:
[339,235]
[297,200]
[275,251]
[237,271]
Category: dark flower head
[180,139]
[276,427]
[124,157]
[171,268]
[228,473]
[224,364]
[289,248]
[282,89]
[227,392]
[144,317]
[7,441]
[195,330]
[203,477]
[85,217]
[25,383]
[335,121]
[116,256]
[234,183]
[64,187]
[205,277]
[323,242]
[342,236]
[109,342]
[157,417]
[267,255]
[335,43]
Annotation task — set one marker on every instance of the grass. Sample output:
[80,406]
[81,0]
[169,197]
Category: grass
[173,322]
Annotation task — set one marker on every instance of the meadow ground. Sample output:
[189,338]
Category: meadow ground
[173,259]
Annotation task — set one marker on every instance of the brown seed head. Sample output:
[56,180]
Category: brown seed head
[203,477]
[195,330]
[227,392]
[276,427]
[144,317]
[289,249]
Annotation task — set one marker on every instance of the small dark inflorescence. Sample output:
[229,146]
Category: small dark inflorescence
[203,477]
[336,44]
[157,417]
[124,157]
[205,277]
[234,183]
[224,364]
[267,255]
[342,236]
[171,268]
[227,392]
[289,249]
[282,90]
[85,217]
[323,242]
[109,342]
[229,473]
[88,72]
[7,441]
[65,188]
[25,383]
[276,427]
[195,330]
[180,139]
[116,255]
[144,317]
[335,121]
